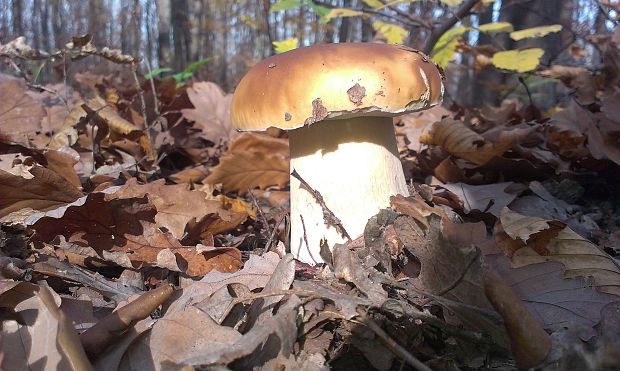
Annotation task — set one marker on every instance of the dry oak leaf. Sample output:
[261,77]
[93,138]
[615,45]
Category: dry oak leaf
[43,191]
[20,114]
[123,231]
[413,124]
[45,338]
[252,160]
[212,111]
[459,140]
[490,198]
[556,302]
[177,206]
[580,257]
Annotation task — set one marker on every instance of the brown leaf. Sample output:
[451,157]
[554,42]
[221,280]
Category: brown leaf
[177,205]
[43,338]
[211,112]
[556,302]
[459,140]
[252,160]
[44,191]
[124,231]
[179,336]
[413,124]
[20,114]
[255,273]
[490,198]
[580,257]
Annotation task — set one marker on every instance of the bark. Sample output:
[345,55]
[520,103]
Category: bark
[163,37]
[18,24]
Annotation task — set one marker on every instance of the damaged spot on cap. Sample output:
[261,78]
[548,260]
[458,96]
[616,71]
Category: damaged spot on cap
[271,65]
[287,116]
[356,94]
[319,112]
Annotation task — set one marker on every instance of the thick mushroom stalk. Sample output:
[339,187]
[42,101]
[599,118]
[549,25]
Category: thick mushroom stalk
[354,165]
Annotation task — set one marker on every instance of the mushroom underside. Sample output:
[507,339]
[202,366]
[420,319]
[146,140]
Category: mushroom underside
[354,165]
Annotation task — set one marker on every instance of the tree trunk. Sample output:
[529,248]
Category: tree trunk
[18,24]
[179,22]
[163,38]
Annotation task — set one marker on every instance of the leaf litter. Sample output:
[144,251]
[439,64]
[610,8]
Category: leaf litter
[159,242]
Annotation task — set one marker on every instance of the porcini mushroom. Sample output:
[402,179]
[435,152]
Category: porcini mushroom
[337,101]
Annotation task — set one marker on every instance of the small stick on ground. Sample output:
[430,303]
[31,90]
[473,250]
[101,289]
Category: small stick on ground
[328,215]
[393,346]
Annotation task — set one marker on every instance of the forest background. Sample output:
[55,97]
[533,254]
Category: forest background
[221,39]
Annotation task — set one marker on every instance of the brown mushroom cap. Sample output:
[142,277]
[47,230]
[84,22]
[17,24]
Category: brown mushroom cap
[331,81]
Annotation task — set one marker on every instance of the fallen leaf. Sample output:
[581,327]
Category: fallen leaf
[123,231]
[212,111]
[461,141]
[20,114]
[44,338]
[556,302]
[44,191]
[580,257]
[490,198]
[177,206]
[252,161]
[255,273]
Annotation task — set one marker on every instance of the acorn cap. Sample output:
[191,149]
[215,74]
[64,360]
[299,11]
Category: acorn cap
[335,81]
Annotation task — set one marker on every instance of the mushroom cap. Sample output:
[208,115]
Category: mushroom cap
[335,81]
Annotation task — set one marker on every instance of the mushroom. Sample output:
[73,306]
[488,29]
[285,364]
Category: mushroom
[337,102]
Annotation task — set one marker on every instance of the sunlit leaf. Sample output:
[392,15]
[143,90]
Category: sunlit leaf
[496,27]
[284,4]
[285,45]
[394,34]
[443,51]
[373,3]
[535,32]
[451,2]
[339,12]
[320,10]
[518,60]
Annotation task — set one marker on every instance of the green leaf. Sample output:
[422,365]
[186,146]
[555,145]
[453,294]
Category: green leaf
[320,10]
[443,51]
[285,45]
[157,71]
[195,65]
[284,5]
[518,60]
[535,32]
[339,12]
[394,34]
[373,3]
[494,27]
[452,2]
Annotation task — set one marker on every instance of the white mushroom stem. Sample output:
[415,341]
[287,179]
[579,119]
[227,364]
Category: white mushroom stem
[354,165]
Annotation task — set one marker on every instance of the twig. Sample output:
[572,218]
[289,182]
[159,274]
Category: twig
[147,126]
[328,216]
[155,102]
[38,87]
[260,211]
[303,226]
[272,236]
[393,346]
[465,7]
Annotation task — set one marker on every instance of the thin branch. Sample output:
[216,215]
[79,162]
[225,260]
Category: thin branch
[328,215]
[463,10]
[393,346]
